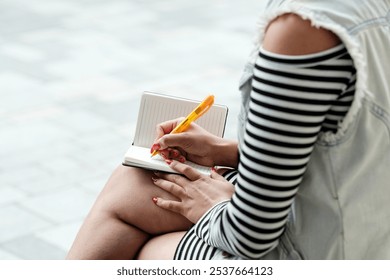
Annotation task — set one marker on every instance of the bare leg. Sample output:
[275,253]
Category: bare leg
[124,217]
[161,247]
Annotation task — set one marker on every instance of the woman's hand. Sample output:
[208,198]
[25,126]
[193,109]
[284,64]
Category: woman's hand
[196,193]
[195,144]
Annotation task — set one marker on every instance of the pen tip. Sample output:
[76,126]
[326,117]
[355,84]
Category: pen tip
[154,153]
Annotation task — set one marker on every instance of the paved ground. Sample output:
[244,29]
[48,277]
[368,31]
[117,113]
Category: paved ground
[71,74]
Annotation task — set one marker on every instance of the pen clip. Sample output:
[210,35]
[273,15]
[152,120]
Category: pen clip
[204,106]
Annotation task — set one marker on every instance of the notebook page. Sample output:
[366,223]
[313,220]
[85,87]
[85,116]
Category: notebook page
[156,108]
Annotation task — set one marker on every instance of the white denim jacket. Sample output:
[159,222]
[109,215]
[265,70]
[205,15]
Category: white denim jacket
[342,208]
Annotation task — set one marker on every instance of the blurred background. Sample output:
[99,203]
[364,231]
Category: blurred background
[71,76]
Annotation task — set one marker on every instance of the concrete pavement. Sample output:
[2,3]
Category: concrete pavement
[71,74]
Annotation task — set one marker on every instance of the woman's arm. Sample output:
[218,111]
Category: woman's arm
[289,101]
[290,98]
[289,34]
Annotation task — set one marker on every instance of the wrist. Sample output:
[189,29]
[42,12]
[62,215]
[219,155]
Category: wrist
[226,153]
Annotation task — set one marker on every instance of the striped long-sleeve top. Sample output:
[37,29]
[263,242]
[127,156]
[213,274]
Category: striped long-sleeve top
[293,99]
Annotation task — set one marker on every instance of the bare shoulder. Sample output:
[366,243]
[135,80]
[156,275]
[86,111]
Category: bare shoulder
[289,34]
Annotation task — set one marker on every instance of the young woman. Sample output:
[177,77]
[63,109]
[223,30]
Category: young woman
[310,175]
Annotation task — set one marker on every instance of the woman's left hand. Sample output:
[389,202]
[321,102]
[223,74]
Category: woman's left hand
[196,192]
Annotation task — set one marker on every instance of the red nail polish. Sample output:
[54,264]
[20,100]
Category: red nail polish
[213,169]
[155,147]
[154,199]
[182,159]
[175,153]
[168,161]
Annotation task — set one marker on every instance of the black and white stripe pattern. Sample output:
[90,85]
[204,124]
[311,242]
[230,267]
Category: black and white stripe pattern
[293,98]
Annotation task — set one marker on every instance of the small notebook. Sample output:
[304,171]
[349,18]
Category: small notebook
[156,108]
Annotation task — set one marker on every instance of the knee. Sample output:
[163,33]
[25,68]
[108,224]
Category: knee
[121,190]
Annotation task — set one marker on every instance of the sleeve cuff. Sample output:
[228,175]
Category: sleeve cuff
[201,228]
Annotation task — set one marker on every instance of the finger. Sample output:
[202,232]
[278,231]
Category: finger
[170,187]
[172,153]
[177,140]
[170,205]
[166,127]
[164,154]
[161,130]
[216,176]
[177,155]
[169,153]
[189,172]
[177,179]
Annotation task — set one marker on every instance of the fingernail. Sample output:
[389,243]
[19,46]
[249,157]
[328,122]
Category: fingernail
[154,199]
[155,147]
[154,179]
[175,153]
[168,161]
[213,169]
[182,159]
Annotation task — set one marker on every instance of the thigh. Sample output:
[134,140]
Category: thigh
[128,195]
[161,247]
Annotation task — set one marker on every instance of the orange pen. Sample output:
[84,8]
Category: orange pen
[202,108]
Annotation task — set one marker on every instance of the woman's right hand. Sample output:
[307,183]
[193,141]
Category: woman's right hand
[195,144]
